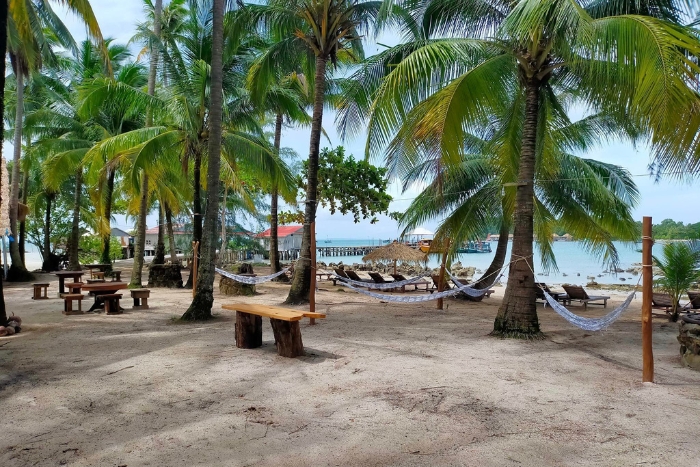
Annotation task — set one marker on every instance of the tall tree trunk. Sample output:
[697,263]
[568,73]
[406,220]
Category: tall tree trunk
[499,258]
[517,316]
[140,247]
[17,272]
[196,206]
[23,224]
[109,193]
[139,251]
[275,265]
[3,202]
[46,251]
[223,224]
[159,258]
[204,294]
[301,283]
[171,234]
[74,244]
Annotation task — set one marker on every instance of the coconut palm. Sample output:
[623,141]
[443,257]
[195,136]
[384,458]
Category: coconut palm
[325,31]
[29,45]
[680,271]
[465,58]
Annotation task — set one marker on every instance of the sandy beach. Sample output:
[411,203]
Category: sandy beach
[381,385]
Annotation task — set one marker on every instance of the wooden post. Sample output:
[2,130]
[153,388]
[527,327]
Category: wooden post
[195,266]
[312,291]
[647,277]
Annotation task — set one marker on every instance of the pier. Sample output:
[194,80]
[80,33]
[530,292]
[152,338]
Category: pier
[328,251]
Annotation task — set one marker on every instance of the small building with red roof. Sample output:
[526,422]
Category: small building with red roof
[289,237]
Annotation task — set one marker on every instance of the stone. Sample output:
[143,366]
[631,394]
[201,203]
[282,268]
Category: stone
[165,275]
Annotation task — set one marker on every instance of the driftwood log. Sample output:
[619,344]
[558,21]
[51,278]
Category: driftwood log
[248,330]
[287,338]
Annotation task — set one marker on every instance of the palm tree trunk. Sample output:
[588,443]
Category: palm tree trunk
[23,224]
[499,258]
[46,266]
[517,316]
[3,203]
[204,294]
[196,206]
[171,234]
[301,283]
[74,244]
[159,258]
[140,247]
[275,265]
[109,192]
[17,272]
[223,224]
[139,252]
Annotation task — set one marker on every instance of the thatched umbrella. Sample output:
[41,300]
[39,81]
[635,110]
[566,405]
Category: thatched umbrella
[396,252]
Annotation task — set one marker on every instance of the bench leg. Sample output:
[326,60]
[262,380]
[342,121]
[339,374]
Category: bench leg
[287,338]
[248,330]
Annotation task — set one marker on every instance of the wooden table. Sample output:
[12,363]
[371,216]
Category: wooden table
[76,275]
[99,267]
[103,288]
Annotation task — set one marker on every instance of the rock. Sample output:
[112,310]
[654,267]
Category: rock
[9,330]
[165,275]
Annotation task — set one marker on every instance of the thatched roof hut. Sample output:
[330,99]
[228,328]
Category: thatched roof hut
[396,252]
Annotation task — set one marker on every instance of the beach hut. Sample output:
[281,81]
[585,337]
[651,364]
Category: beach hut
[396,252]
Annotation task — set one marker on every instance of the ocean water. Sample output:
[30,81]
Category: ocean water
[574,263]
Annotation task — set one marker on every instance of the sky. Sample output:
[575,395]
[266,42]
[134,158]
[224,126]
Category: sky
[661,200]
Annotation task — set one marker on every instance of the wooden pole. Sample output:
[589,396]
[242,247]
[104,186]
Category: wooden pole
[647,277]
[312,291]
[195,266]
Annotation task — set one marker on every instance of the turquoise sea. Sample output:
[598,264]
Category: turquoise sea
[574,263]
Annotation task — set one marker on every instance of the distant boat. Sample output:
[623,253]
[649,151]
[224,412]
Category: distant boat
[386,241]
[475,247]
[327,241]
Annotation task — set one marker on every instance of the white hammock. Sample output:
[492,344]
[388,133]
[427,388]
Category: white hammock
[417,298]
[248,279]
[388,285]
[589,324]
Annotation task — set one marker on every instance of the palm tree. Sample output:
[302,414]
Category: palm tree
[203,300]
[680,271]
[28,46]
[627,58]
[328,30]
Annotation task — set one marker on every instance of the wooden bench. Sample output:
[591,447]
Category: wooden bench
[99,275]
[38,289]
[140,297]
[285,327]
[111,302]
[116,276]
[68,304]
[74,288]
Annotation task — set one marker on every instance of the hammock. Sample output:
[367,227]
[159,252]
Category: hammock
[248,279]
[417,298]
[388,285]
[589,324]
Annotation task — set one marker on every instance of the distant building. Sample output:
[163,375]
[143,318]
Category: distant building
[289,237]
[125,240]
[152,238]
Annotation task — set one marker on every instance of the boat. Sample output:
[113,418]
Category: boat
[475,247]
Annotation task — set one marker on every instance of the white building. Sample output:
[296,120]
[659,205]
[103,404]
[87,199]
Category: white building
[289,237]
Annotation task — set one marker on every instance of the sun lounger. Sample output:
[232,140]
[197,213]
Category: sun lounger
[694,297]
[576,292]
[462,282]
[663,301]
[339,273]
[436,282]
[415,284]
[353,276]
[541,288]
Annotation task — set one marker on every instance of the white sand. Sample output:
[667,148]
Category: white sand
[382,384]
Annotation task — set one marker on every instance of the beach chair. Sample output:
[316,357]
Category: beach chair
[541,288]
[340,273]
[694,297]
[576,292]
[379,279]
[353,275]
[436,282]
[415,284]
[663,301]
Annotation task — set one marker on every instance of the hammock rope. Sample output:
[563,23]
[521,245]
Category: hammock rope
[248,279]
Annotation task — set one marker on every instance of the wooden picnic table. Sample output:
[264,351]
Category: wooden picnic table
[103,288]
[99,267]
[76,275]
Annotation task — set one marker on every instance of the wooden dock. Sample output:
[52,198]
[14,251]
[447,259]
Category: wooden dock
[328,251]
